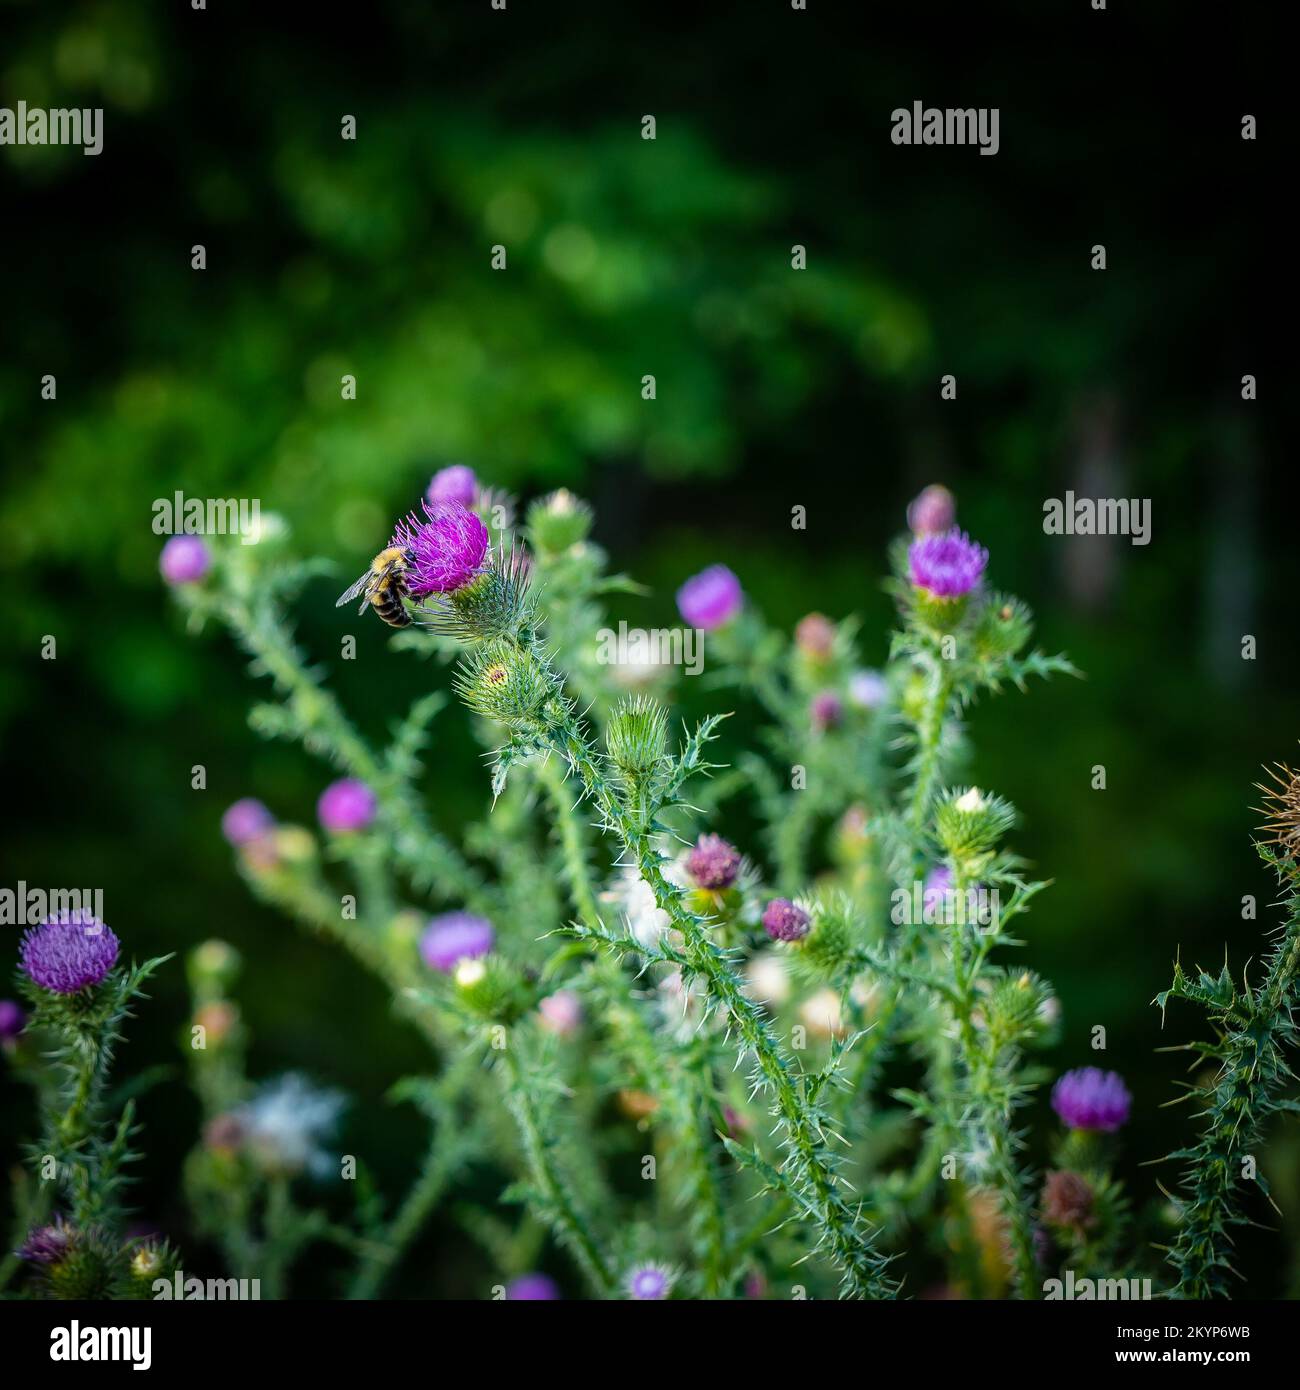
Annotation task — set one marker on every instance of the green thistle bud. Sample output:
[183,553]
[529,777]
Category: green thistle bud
[1014,1010]
[830,942]
[1003,628]
[213,965]
[637,735]
[969,823]
[85,1272]
[492,988]
[503,681]
[557,522]
[493,604]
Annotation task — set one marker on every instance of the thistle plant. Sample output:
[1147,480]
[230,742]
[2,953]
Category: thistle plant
[1250,1058]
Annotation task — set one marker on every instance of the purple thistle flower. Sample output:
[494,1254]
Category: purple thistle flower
[448,548]
[345,805]
[245,820]
[1089,1098]
[68,955]
[455,936]
[12,1020]
[938,883]
[784,921]
[711,598]
[46,1245]
[713,863]
[185,560]
[932,511]
[947,565]
[454,484]
[532,1288]
[649,1283]
[826,711]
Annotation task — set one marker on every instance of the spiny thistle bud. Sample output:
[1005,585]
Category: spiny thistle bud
[69,954]
[213,965]
[1282,807]
[1003,628]
[1068,1201]
[637,735]
[503,681]
[558,522]
[71,1264]
[493,988]
[969,823]
[290,844]
[1014,1008]
[828,945]
[494,603]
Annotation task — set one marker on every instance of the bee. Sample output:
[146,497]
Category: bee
[383,587]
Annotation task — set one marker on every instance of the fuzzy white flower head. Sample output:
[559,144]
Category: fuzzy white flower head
[285,1123]
[972,800]
[769,981]
[635,899]
[821,1013]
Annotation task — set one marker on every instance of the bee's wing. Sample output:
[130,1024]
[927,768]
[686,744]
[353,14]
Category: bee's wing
[362,584]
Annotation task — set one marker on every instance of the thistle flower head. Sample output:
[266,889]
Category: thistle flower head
[1282,807]
[455,936]
[1092,1099]
[785,921]
[561,1012]
[503,681]
[185,560]
[948,565]
[826,711]
[454,484]
[932,510]
[69,954]
[710,599]
[12,1020]
[47,1245]
[814,635]
[346,805]
[448,548]
[867,689]
[713,862]
[245,820]
[647,1283]
[532,1288]
[1068,1201]
[283,1126]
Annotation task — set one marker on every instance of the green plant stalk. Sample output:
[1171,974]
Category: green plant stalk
[682,1083]
[808,1166]
[561,1212]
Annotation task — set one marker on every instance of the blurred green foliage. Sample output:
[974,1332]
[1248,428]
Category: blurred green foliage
[775,388]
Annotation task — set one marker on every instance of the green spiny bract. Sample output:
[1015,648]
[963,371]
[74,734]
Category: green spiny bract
[503,681]
[636,737]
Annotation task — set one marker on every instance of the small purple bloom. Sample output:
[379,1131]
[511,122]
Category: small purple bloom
[867,689]
[711,598]
[947,565]
[448,548]
[933,510]
[532,1288]
[827,710]
[246,820]
[561,1012]
[12,1020]
[455,936]
[938,883]
[814,635]
[713,863]
[69,955]
[347,804]
[1090,1098]
[46,1245]
[454,484]
[784,921]
[185,560]
[649,1283]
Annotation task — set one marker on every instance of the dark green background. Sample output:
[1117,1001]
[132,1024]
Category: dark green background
[774,388]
